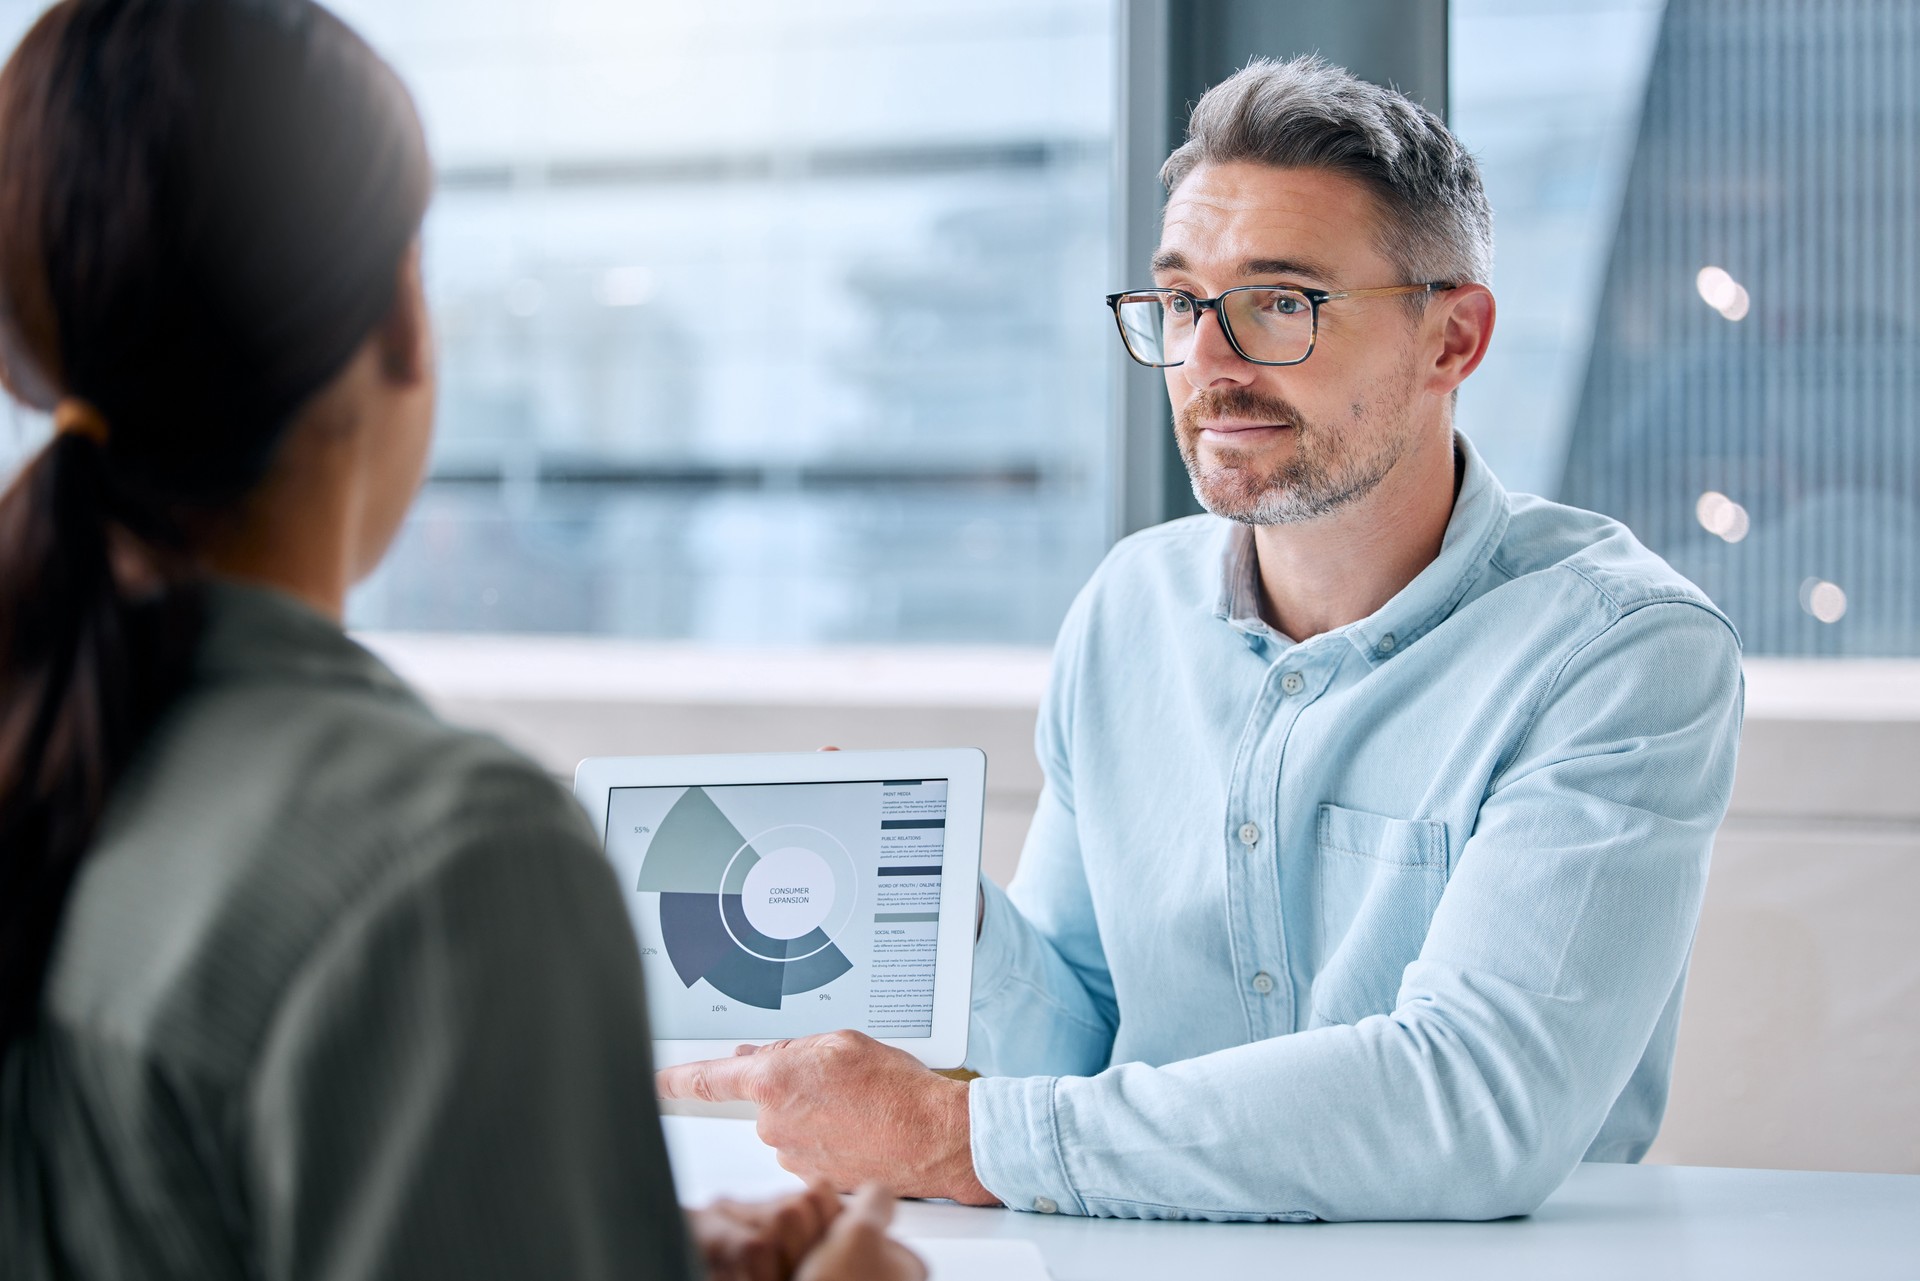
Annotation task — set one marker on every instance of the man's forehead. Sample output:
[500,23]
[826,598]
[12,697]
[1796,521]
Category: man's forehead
[1250,220]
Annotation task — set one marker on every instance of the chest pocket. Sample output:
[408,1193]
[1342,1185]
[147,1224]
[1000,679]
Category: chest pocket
[1379,882]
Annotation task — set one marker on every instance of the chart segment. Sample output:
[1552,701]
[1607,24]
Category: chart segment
[754,916]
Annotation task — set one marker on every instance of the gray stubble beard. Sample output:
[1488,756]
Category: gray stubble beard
[1305,488]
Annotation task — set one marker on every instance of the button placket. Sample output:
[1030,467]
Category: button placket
[1259,944]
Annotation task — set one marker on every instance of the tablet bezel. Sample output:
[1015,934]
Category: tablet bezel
[964,768]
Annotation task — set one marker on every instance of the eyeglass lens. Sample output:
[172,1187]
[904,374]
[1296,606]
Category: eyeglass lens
[1273,325]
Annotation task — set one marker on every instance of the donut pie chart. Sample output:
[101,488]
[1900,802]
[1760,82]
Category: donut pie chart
[755,917]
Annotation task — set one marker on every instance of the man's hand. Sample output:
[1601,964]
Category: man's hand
[762,1240]
[843,1108]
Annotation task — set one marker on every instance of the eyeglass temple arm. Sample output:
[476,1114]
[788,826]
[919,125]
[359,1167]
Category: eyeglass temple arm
[1387,291]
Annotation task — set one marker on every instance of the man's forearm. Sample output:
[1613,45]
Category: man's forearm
[1384,1120]
[1032,1011]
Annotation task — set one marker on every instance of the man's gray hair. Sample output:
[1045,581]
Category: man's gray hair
[1308,114]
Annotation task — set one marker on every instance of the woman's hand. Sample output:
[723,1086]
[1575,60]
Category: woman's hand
[762,1240]
[857,1247]
[805,1237]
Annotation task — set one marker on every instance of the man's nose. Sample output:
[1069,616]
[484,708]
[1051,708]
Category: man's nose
[1212,360]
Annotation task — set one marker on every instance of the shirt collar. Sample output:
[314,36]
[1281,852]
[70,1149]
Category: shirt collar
[255,631]
[1478,523]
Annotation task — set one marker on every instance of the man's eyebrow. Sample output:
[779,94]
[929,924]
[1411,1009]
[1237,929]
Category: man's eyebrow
[1284,267]
[1174,260]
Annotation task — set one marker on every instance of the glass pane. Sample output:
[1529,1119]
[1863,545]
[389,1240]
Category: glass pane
[644,435]
[1735,375]
[1547,94]
[758,321]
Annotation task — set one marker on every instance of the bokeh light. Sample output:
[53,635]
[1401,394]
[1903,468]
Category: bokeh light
[1824,600]
[1721,516]
[1723,293]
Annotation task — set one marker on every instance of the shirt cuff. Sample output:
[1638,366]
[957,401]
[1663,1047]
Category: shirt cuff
[1016,1144]
[993,951]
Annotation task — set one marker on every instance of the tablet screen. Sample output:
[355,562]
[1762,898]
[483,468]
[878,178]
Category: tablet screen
[784,909]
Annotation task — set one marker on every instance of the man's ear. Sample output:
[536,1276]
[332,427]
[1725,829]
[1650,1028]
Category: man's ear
[405,334]
[1465,322]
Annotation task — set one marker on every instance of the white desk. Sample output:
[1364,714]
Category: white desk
[1637,1223]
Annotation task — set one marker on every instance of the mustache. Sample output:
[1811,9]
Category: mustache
[1235,402]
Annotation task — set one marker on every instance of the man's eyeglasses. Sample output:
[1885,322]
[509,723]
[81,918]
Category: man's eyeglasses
[1265,324]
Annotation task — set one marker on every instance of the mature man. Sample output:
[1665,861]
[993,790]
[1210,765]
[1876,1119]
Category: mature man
[1378,802]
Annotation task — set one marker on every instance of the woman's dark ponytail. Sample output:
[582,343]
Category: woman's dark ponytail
[85,671]
[204,205]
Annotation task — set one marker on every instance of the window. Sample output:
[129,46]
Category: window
[759,321]
[1547,96]
[1705,220]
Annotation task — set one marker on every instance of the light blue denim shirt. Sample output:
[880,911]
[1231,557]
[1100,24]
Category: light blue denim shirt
[1391,923]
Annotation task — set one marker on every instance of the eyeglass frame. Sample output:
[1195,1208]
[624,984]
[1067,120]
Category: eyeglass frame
[1316,298]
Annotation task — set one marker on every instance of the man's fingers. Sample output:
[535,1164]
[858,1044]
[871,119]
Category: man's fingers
[712,1081]
[741,1051]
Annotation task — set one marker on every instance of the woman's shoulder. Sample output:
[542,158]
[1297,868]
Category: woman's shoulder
[292,784]
[292,737]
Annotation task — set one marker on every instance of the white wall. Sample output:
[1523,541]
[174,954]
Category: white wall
[1800,1042]
[1800,1046]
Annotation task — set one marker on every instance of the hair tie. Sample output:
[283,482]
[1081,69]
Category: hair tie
[75,417]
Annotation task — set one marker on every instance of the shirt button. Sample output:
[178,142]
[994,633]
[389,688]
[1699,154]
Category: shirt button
[1045,1205]
[1263,982]
[1249,834]
[1386,644]
[1293,682]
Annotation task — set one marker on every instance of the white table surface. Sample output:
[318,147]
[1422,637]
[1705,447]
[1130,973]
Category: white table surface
[1637,1223]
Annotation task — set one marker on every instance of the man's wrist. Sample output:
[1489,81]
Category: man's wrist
[961,1183]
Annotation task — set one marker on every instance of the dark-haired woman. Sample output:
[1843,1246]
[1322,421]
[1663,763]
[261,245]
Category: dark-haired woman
[295,980]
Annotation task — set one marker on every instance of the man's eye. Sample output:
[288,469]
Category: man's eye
[1286,304]
[1178,305]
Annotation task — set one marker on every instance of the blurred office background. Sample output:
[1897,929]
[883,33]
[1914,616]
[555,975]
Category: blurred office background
[780,406]
[766,323]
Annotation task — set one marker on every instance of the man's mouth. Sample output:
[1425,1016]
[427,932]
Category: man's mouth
[1240,431]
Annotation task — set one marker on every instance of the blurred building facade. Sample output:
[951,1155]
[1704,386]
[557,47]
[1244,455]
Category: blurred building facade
[1752,404]
[760,323]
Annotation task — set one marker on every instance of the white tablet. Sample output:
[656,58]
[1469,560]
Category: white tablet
[782,895]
